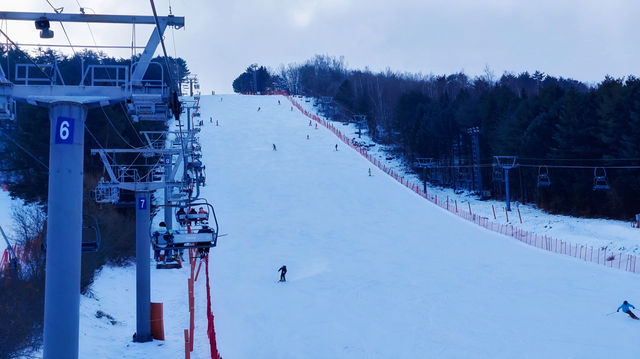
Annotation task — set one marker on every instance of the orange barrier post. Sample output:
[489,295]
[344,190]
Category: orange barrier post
[494,211]
[157,323]
[506,213]
[470,213]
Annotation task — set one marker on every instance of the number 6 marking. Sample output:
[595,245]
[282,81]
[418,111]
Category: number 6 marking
[64,130]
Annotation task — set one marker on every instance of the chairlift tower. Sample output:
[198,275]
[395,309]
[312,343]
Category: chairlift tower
[507,163]
[360,121]
[68,106]
[127,176]
[474,132]
[424,163]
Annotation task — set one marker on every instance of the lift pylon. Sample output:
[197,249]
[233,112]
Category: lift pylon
[68,106]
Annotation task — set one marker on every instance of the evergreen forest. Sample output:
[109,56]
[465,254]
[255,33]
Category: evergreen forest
[577,145]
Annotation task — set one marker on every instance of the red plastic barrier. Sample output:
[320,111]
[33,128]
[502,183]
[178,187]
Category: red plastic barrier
[211,331]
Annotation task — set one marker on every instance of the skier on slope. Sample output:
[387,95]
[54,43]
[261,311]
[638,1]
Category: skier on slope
[274,147]
[283,271]
[625,308]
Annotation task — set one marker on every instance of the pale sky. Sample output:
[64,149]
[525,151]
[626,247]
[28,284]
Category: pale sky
[581,39]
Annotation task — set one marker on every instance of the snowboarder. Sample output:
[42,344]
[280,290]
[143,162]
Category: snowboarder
[369,171]
[274,147]
[258,109]
[211,120]
[283,271]
[309,123]
[336,146]
[625,308]
[217,123]
[278,102]
[316,126]
[307,137]
[291,108]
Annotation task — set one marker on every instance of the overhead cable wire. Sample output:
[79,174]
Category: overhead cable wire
[58,11]
[171,82]
[115,129]
[164,48]
[50,77]
[121,105]
[25,150]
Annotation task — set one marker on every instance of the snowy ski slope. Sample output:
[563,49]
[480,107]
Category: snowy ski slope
[374,270]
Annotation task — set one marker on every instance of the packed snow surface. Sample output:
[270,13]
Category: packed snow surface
[612,235]
[375,271]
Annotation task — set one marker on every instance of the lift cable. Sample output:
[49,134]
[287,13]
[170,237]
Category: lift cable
[485,165]
[174,96]
[26,55]
[164,49]
[58,11]
[121,105]
[25,150]
[92,136]
[116,130]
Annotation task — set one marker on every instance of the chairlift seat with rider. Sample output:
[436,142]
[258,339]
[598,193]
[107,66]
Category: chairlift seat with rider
[198,230]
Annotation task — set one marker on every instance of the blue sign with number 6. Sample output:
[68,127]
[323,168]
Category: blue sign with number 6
[64,130]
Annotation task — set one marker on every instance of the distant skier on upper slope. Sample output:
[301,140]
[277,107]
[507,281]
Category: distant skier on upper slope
[283,271]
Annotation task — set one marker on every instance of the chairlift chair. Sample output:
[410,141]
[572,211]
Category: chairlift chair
[7,109]
[543,177]
[106,193]
[600,181]
[200,230]
[91,245]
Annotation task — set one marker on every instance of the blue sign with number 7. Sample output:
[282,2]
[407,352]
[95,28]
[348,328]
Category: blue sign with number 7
[64,130]
[142,203]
